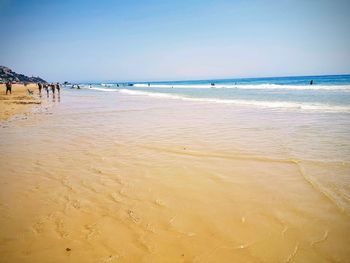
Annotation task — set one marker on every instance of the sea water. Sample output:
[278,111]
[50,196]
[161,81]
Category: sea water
[326,94]
[286,118]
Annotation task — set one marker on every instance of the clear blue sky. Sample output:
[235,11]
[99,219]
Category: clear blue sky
[167,40]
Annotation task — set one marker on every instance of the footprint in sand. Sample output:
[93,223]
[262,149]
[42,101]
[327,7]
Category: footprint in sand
[38,227]
[123,192]
[98,171]
[159,202]
[133,217]
[76,204]
[93,231]
[65,182]
[109,259]
[151,248]
[71,203]
[150,228]
[115,197]
[61,228]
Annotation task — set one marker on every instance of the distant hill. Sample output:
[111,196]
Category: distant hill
[7,74]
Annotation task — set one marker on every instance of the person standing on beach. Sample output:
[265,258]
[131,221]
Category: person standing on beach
[52,88]
[58,87]
[8,87]
[47,89]
[40,87]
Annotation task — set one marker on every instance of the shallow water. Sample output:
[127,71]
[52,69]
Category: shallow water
[128,178]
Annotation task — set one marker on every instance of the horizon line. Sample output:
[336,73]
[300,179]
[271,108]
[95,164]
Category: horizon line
[204,79]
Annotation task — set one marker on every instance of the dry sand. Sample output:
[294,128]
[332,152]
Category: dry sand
[19,102]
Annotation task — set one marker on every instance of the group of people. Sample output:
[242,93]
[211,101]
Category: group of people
[47,87]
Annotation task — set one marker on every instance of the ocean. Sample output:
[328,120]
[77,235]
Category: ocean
[329,93]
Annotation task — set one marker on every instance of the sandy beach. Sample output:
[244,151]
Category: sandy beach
[175,131]
[19,102]
[111,177]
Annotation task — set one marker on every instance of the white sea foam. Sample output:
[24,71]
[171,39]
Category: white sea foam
[264,104]
[101,89]
[106,84]
[251,87]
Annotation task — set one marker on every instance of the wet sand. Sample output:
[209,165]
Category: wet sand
[19,102]
[120,178]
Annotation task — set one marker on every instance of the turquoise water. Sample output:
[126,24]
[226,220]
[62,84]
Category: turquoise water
[295,80]
[326,94]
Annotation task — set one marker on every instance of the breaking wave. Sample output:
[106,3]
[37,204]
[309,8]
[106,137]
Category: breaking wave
[249,87]
[263,104]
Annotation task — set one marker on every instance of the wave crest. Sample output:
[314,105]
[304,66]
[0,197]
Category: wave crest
[262,104]
[247,86]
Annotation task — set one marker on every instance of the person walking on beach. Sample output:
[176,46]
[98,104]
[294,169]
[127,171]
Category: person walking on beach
[58,87]
[47,89]
[52,88]
[40,87]
[8,87]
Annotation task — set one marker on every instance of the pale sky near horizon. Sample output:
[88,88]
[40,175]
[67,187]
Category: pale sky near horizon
[86,40]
